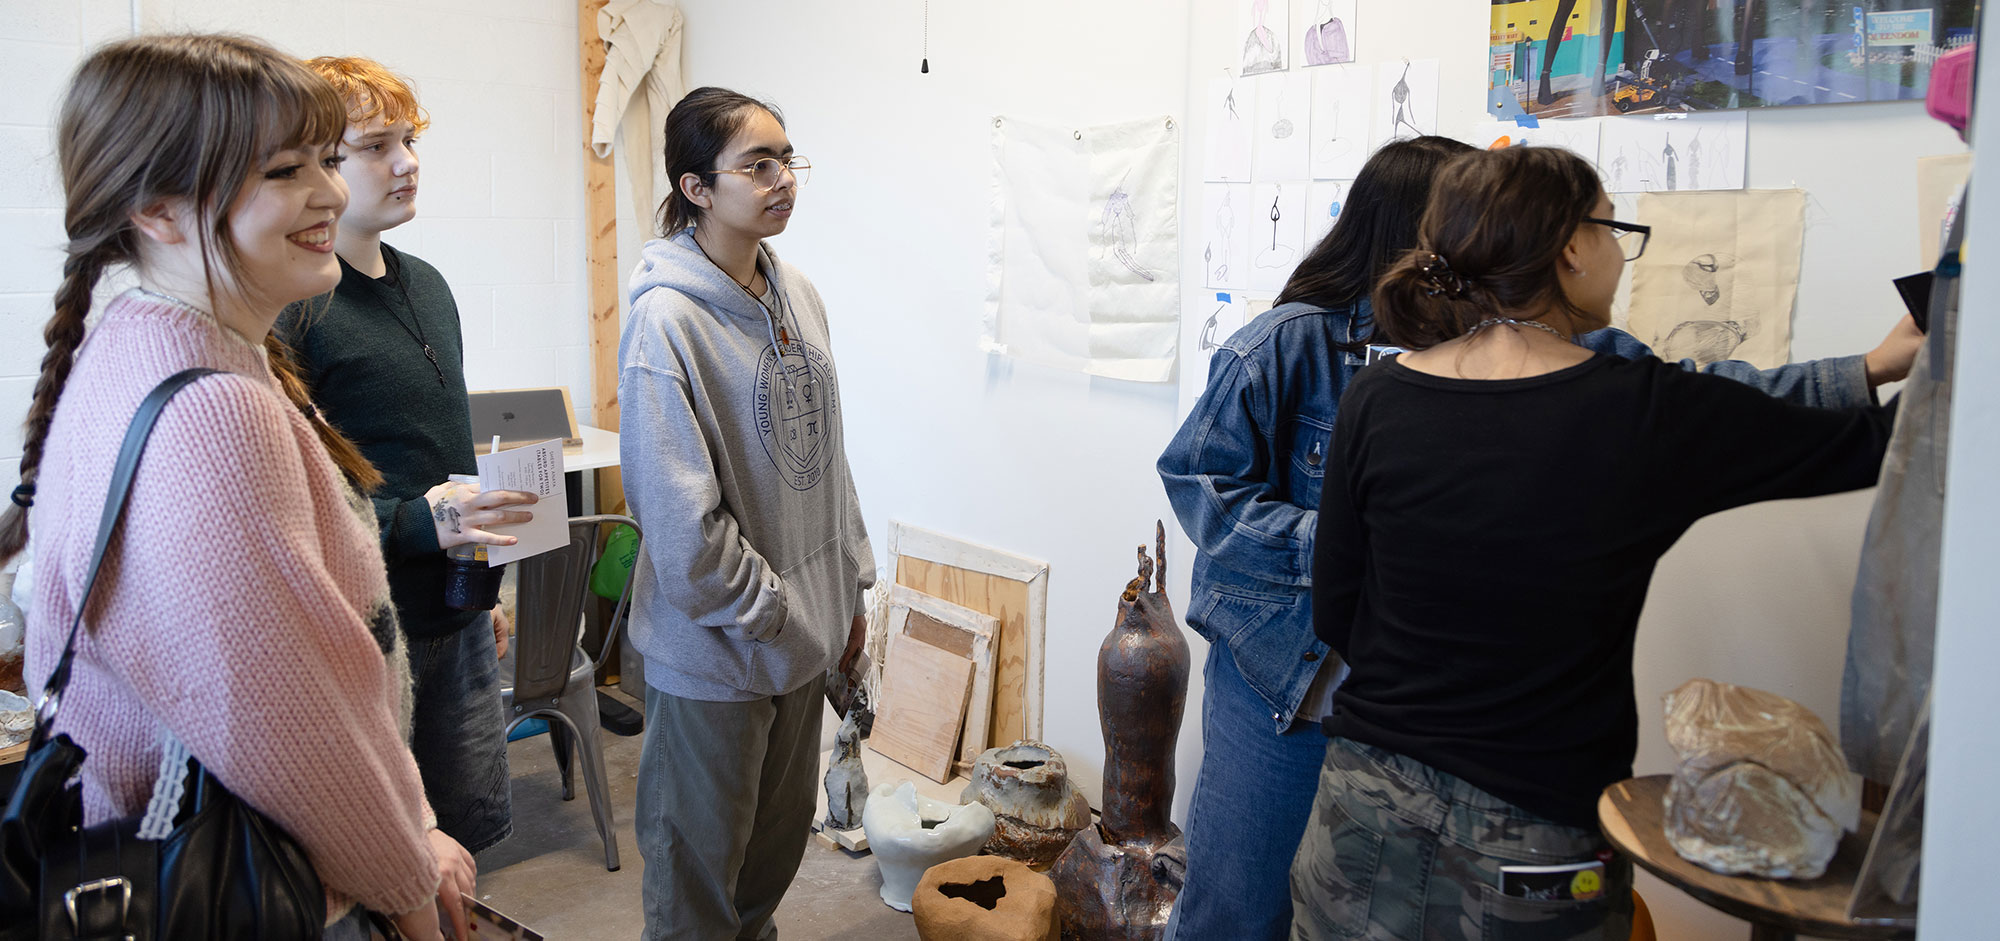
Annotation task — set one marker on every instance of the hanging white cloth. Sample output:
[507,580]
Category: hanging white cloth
[642,81]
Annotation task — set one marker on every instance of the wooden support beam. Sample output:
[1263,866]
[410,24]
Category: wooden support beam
[600,240]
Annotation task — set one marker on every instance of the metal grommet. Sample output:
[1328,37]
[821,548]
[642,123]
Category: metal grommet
[1170,124]
[996,121]
[1079,135]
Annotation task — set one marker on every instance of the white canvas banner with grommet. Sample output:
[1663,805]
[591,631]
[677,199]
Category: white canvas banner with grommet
[1084,247]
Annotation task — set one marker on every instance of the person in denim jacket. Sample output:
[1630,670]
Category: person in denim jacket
[1243,474]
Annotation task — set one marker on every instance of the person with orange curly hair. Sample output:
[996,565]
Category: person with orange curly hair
[383,356]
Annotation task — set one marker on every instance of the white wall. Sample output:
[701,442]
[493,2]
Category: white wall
[500,213]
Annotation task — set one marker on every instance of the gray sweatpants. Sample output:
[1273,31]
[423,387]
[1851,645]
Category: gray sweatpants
[725,806]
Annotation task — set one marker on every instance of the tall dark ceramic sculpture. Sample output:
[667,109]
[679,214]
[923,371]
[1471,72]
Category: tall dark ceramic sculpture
[1118,880]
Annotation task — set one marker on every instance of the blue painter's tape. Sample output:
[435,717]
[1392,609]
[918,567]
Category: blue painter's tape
[1527,120]
[1224,298]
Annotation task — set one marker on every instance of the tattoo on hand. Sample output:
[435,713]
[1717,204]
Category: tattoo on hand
[447,514]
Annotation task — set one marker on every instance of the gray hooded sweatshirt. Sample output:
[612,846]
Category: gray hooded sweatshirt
[755,556]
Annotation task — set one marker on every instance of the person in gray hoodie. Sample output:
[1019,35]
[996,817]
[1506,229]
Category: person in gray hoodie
[749,587]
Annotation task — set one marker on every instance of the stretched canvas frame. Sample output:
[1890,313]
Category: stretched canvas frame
[1012,588]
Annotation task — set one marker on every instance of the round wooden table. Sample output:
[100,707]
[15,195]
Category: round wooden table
[1633,815]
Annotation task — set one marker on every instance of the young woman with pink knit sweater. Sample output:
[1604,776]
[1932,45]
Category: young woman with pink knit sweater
[243,610]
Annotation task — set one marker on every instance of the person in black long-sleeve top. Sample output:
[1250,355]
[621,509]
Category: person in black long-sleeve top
[1494,504]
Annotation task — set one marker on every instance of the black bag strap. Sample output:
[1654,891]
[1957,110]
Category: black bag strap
[120,493]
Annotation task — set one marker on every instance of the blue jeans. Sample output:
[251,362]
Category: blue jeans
[1250,804]
[459,734]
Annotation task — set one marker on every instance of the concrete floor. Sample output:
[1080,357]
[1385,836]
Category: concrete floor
[550,874]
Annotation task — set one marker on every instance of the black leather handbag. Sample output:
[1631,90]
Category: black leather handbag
[223,871]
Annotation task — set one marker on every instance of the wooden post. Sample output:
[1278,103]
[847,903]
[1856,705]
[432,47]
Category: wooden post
[600,241]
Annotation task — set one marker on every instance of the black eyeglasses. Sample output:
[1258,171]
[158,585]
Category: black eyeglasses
[1624,232]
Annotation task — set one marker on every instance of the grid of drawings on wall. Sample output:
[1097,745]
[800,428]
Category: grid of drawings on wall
[1578,58]
[1283,147]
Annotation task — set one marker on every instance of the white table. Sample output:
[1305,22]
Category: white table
[599,449]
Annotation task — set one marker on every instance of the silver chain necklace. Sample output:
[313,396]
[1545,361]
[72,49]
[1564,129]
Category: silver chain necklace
[1491,321]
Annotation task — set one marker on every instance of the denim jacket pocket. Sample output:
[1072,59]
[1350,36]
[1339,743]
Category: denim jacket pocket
[1306,440]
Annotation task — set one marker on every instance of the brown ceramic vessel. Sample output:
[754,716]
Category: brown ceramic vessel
[1036,810]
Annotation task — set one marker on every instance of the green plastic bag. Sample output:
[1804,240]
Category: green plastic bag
[614,567]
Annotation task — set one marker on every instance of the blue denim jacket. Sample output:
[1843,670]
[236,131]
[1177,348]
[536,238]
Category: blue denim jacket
[1243,474]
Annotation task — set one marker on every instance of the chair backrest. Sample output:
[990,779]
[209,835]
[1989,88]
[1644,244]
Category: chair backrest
[549,594]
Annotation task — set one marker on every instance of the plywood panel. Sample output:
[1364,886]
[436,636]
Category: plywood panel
[1005,599]
[923,705]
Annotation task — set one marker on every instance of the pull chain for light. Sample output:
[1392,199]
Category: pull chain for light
[926,68]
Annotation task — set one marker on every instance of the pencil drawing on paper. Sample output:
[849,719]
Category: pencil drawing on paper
[1264,46]
[1399,99]
[1219,239]
[1208,341]
[1121,235]
[1278,254]
[1646,155]
[1327,40]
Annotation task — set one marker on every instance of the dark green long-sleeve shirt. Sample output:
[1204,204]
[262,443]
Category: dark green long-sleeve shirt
[362,357]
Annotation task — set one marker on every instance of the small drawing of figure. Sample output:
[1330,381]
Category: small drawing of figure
[1400,97]
[1326,40]
[1673,163]
[1225,234]
[1207,341]
[1121,232]
[1261,50]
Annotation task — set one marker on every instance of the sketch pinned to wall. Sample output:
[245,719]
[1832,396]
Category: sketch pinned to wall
[1225,235]
[1265,28]
[1324,199]
[1282,131]
[1341,97]
[1580,136]
[1719,278]
[1277,233]
[1209,320]
[1221,323]
[1327,35]
[1084,242]
[1673,154]
[1406,94]
[1231,112]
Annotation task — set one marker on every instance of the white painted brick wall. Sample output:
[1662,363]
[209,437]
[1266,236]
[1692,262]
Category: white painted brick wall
[501,210]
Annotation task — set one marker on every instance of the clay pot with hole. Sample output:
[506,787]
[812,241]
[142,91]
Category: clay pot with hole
[1036,810]
[985,898]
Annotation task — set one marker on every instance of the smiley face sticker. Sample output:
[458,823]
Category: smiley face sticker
[1587,884]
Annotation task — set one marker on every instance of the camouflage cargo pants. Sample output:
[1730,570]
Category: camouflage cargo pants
[1398,851]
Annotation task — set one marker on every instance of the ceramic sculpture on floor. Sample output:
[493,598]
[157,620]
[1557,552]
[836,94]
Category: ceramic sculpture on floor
[909,833]
[1036,810]
[984,898]
[846,779]
[1118,879]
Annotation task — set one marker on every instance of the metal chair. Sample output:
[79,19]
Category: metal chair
[552,677]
